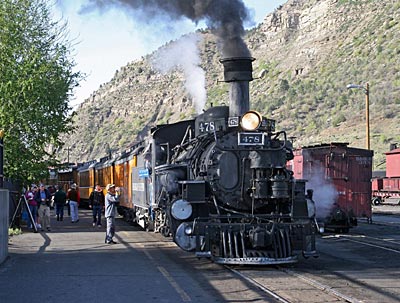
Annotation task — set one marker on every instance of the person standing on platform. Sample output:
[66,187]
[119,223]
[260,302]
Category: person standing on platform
[60,198]
[96,199]
[33,205]
[74,199]
[43,197]
[68,208]
[111,202]
[37,219]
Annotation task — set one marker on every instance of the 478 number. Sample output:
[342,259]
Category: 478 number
[205,127]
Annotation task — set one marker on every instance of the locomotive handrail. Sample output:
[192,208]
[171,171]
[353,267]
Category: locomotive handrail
[187,132]
[284,141]
[162,167]
[216,205]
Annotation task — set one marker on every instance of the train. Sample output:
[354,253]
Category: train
[386,188]
[217,184]
[341,178]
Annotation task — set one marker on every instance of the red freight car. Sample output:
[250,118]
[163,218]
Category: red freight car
[387,189]
[341,179]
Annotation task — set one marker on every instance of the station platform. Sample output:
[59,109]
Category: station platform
[71,263]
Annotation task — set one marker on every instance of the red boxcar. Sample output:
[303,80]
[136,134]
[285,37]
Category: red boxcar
[340,177]
[387,189]
[377,184]
[393,163]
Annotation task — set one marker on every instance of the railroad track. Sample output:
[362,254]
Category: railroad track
[385,244]
[384,218]
[352,268]
[334,281]
[287,286]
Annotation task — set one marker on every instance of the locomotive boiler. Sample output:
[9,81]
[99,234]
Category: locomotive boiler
[219,185]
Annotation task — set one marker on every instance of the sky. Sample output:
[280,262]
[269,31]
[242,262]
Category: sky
[105,41]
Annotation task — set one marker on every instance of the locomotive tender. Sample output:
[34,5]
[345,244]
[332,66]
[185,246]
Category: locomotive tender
[218,184]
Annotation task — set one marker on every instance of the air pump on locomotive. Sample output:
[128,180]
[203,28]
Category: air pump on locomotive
[219,184]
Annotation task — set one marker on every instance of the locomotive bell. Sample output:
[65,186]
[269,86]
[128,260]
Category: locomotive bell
[238,72]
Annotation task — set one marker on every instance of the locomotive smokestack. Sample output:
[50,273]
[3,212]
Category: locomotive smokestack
[238,72]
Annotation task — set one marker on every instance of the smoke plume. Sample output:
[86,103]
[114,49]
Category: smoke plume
[184,55]
[225,18]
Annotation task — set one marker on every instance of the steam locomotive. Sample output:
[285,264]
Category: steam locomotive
[218,184]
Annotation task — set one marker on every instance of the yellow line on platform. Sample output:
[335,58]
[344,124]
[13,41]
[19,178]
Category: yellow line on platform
[185,297]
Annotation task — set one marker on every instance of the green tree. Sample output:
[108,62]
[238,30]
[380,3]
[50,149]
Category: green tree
[36,81]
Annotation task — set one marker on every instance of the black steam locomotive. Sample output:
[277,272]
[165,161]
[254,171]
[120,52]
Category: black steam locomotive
[219,184]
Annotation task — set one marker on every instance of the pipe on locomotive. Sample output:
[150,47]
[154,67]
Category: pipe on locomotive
[238,71]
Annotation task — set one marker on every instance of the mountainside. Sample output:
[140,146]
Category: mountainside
[307,52]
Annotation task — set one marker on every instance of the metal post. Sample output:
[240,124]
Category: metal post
[367,114]
[366,91]
[1,158]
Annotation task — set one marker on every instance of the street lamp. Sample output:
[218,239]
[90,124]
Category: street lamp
[366,91]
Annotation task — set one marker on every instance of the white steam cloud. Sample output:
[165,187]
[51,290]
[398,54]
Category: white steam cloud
[183,55]
[325,193]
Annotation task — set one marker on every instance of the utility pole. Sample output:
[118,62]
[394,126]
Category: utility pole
[367,114]
[366,91]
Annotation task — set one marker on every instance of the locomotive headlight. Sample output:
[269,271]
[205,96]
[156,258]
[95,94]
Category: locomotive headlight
[251,120]
[181,209]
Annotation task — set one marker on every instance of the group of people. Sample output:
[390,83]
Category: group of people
[39,201]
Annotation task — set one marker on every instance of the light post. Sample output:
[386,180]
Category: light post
[68,148]
[1,158]
[108,150]
[366,91]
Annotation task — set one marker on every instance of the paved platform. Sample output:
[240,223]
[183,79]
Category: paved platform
[73,264]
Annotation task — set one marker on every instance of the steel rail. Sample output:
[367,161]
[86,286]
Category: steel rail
[321,286]
[259,286]
[397,251]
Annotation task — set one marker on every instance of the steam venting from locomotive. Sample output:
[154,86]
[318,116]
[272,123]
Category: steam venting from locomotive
[184,55]
[324,192]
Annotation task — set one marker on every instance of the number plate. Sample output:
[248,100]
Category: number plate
[250,138]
